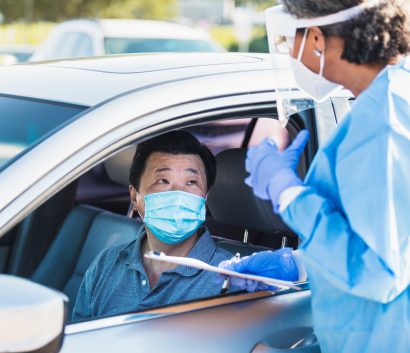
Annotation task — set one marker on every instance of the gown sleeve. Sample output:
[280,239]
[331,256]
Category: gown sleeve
[361,242]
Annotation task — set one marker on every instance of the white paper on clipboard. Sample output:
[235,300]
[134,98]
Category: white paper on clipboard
[190,262]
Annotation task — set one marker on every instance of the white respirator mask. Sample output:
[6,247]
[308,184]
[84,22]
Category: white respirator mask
[313,84]
[281,29]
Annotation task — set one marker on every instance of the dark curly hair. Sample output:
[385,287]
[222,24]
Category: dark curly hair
[174,142]
[379,34]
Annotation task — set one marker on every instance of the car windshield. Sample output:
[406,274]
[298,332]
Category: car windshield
[24,122]
[147,45]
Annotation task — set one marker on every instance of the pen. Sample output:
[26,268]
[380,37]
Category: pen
[225,283]
[284,242]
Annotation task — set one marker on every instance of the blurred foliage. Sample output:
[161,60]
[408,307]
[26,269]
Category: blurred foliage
[35,33]
[58,10]
[24,33]
[260,4]
[225,35]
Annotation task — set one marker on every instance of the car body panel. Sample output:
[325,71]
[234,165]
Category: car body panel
[236,327]
[106,80]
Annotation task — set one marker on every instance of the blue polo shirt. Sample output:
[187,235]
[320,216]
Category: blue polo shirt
[116,282]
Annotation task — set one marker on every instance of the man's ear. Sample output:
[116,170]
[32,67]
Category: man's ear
[133,196]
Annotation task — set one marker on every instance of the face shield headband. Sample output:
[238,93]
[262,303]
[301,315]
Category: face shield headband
[282,26]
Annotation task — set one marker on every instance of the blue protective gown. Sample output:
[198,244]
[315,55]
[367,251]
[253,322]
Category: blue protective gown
[354,220]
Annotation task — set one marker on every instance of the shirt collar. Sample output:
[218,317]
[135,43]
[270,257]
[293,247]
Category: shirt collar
[203,250]
[131,252]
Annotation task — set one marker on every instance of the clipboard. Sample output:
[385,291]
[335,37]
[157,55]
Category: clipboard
[190,262]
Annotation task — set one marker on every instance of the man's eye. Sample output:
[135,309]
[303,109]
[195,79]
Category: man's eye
[163,181]
[192,182]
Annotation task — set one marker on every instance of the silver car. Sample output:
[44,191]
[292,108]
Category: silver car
[95,37]
[67,132]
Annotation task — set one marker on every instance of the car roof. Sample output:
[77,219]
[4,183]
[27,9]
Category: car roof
[150,29]
[16,48]
[91,81]
[131,28]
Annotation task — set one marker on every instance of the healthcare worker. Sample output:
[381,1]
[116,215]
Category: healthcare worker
[352,211]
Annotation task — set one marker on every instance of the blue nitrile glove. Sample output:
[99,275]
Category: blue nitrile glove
[272,171]
[277,264]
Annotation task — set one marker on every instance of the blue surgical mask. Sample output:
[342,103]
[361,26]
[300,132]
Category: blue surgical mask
[173,216]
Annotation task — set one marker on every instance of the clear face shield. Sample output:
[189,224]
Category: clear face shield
[296,87]
[281,30]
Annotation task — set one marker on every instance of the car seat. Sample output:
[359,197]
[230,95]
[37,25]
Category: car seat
[85,233]
[238,214]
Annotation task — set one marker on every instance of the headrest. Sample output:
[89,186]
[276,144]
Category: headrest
[232,202]
[118,166]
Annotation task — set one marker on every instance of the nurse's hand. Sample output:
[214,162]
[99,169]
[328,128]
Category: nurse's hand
[271,171]
[277,264]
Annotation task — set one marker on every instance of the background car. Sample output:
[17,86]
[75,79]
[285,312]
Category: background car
[12,54]
[87,37]
[64,191]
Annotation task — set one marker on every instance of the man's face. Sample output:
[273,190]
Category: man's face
[170,172]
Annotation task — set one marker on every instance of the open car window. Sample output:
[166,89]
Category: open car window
[89,216]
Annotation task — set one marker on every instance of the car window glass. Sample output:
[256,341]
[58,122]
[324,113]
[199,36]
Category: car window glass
[145,45]
[24,121]
[84,45]
[73,44]
[65,47]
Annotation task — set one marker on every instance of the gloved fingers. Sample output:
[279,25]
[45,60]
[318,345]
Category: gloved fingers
[272,142]
[254,155]
[248,181]
[300,141]
[262,194]
[240,283]
[228,264]
[251,152]
[248,164]
[252,286]
[243,283]
[240,265]
[218,279]
[237,282]
[255,286]
[264,286]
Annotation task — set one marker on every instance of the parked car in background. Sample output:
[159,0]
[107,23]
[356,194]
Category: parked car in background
[15,53]
[68,132]
[89,37]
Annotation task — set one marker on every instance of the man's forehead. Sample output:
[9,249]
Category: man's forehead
[163,162]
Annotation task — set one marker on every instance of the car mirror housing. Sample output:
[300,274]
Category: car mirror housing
[32,317]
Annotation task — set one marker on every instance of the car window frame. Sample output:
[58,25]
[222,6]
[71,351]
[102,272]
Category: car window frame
[264,108]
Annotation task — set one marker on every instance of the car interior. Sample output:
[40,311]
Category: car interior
[57,242]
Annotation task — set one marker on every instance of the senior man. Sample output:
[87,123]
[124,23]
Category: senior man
[170,177]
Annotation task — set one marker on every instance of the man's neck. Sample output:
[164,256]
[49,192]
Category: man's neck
[155,268]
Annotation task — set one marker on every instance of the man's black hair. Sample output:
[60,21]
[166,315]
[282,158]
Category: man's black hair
[174,142]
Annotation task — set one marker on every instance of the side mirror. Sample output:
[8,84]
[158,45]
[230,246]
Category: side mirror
[32,317]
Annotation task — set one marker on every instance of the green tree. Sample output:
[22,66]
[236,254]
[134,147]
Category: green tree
[57,10]
[260,4]
[142,9]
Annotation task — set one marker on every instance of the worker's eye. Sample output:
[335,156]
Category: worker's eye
[163,181]
[192,182]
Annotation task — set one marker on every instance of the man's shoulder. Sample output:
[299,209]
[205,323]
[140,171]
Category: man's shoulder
[109,256]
